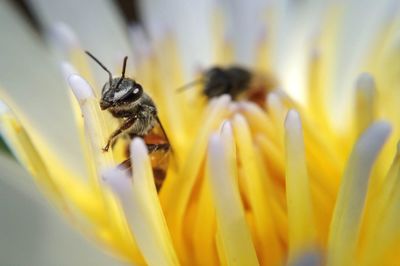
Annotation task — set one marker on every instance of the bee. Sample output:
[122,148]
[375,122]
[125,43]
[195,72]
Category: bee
[239,82]
[126,100]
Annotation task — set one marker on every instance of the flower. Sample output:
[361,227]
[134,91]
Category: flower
[308,179]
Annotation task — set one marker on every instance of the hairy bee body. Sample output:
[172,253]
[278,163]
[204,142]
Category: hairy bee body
[239,82]
[137,114]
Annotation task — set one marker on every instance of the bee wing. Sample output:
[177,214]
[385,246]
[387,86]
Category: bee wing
[162,129]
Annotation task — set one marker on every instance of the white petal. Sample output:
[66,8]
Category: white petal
[245,23]
[32,233]
[63,37]
[97,25]
[360,26]
[292,32]
[191,21]
[31,80]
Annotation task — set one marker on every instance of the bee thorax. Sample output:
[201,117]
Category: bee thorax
[142,126]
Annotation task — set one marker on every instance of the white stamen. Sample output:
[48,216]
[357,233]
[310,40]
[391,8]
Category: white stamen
[233,107]
[158,30]
[226,98]
[138,153]
[228,139]
[139,41]
[80,87]
[301,224]
[221,100]
[311,258]
[142,208]
[3,108]
[67,70]
[226,127]
[345,225]
[262,35]
[273,99]
[119,181]
[371,141]
[366,82]
[293,121]
[63,36]
[365,102]
[238,247]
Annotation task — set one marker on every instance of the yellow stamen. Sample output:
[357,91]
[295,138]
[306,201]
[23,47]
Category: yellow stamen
[300,210]
[142,208]
[93,124]
[365,103]
[345,223]
[267,243]
[237,247]
[177,190]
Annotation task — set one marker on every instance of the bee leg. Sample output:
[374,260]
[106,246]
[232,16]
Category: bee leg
[125,125]
[107,147]
[155,147]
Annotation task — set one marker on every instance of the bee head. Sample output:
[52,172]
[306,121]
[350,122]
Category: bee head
[120,91]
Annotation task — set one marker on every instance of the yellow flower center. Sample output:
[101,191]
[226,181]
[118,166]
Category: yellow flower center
[246,185]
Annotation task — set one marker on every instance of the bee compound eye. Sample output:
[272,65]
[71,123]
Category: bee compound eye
[137,90]
[132,94]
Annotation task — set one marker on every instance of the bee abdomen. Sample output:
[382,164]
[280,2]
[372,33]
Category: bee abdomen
[159,177]
[158,173]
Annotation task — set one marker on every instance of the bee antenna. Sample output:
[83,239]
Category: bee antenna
[103,66]
[190,84]
[124,66]
[123,72]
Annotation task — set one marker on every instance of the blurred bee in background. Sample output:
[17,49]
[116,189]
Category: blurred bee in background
[125,99]
[239,82]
